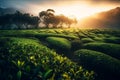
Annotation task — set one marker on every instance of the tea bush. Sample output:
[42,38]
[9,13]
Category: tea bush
[100,62]
[87,40]
[27,59]
[100,39]
[107,48]
[33,33]
[59,43]
[112,40]
[76,44]
[44,35]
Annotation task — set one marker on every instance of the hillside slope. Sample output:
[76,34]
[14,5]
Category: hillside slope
[107,19]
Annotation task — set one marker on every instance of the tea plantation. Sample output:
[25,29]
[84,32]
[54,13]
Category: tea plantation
[60,54]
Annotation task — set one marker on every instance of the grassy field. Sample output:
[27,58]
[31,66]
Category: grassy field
[60,54]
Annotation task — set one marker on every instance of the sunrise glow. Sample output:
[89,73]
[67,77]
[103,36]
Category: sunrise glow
[71,9]
[79,11]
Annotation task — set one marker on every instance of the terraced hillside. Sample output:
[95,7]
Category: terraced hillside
[60,54]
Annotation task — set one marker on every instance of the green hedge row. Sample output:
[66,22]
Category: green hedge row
[26,59]
[107,48]
[59,43]
[112,40]
[103,64]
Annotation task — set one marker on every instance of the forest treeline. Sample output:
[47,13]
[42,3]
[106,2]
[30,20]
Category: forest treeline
[46,19]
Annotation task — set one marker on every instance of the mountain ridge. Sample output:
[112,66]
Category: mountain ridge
[106,19]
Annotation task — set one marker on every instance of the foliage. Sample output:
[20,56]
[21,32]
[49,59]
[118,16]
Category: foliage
[76,44]
[107,48]
[33,33]
[44,35]
[59,43]
[112,40]
[100,62]
[49,18]
[87,40]
[15,45]
[19,20]
[27,59]
[98,39]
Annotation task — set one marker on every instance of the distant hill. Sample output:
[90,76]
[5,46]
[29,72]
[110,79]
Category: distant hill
[107,19]
[4,11]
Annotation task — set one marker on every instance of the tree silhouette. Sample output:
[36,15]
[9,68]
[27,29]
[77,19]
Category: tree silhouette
[48,17]
[65,20]
[22,21]
[25,20]
[45,16]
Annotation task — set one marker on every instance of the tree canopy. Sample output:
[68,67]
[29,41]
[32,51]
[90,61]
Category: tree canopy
[49,18]
[20,20]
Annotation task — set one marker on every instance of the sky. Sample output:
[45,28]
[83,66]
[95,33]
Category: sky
[70,8]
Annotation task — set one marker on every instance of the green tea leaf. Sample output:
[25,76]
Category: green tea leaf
[28,68]
[19,74]
[48,74]
[19,63]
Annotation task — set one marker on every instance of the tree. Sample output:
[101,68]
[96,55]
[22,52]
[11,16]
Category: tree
[49,18]
[45,16]
[66,20]
[23,21]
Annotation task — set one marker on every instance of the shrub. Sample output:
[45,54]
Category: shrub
[26,59]
[112,40]
[107,48]
[76,44]
[32,33]
[80,35]
[87,40]
[100,35]
[91,35]
[98,39]
[44,35]
[59,43]
[107,35]
[100,62]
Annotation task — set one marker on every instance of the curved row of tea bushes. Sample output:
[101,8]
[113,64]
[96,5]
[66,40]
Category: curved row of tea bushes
[33,33]
[107,48]
[103,64]
[59,43]
[112,40]
[26,59]
[87,40]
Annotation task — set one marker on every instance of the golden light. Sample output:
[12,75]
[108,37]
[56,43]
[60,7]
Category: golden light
[71,10]
[79,11]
